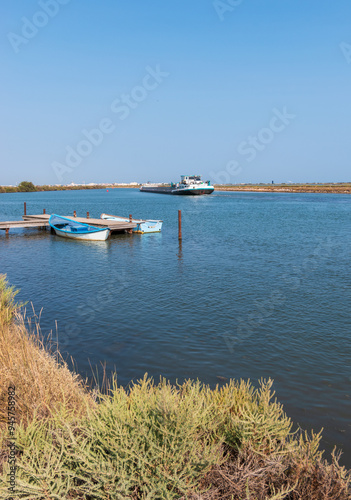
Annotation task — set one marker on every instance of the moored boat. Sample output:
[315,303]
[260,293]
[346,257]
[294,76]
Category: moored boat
[189,185]
[70,228]
[143,226]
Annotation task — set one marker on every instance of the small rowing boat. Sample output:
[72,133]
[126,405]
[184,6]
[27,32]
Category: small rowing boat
[70,228]
[143,226]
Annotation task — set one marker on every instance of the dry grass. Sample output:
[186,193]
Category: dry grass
[250,476]
[43,381]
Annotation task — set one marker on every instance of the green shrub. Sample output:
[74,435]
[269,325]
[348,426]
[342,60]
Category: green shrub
[25,187]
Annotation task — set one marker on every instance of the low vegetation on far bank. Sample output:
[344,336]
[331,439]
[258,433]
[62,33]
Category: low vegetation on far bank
[341,187]
[152,441]
[29,187]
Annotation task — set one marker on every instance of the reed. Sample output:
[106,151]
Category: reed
[152,441]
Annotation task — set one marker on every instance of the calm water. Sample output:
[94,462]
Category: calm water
[260,287]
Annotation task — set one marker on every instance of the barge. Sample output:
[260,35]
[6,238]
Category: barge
[190,185]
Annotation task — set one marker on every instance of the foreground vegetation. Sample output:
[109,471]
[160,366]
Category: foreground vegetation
[154,441]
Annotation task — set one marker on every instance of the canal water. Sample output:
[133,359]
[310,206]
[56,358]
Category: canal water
[259,287]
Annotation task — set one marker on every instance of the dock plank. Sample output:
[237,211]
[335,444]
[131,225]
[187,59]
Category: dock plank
[113,225]
[22,224]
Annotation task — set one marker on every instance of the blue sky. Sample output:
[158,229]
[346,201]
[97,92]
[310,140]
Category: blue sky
[120,91]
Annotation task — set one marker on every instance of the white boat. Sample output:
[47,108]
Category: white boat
[143,226]
[189,185]
[70,228]
[192,185]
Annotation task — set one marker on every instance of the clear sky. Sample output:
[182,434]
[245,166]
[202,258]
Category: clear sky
[121,90]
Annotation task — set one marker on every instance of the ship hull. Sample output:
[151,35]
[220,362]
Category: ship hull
[192,192]
[178,192]
[159,190]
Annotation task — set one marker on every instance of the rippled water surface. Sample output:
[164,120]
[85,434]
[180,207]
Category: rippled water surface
[260,287]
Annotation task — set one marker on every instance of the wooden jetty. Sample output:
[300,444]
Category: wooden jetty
[42,221]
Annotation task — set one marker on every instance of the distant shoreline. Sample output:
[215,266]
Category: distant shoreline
[340,188]
[76,187]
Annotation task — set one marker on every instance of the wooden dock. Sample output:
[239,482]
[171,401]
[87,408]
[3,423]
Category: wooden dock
[42,220]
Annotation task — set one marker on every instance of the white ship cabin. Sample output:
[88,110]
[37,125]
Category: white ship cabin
[190,179]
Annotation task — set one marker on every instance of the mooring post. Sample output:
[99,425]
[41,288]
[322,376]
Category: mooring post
[130,218]
[87,215]
[25,208]
[74,214]
[7,231]
[179,224]
[44,210]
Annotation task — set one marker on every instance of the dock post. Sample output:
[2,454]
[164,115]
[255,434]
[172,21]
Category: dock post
[87,215]
[25,208]
[179,224]
[74,214]
[130,230]
[44,210]
[7,231]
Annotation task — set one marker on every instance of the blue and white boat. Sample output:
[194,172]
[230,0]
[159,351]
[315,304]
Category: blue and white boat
[143,226]
[70,228]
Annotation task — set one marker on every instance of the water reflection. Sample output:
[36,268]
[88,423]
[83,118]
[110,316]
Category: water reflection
[27,234]
[180,250]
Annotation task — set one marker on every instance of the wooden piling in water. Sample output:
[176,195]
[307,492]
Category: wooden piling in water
[75,214]
[44,210]
[179,224]
[87,215]
[130,231]
[25,208]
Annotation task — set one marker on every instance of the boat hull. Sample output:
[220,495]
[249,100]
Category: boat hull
[148,227]
[74,230]
[92,236]
[182,191]
[143,226]
[192,192]
[159,190]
